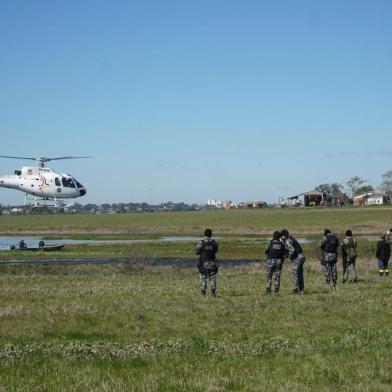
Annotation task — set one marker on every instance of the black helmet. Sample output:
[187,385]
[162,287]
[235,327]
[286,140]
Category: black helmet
[327,231]
[349,233]
[207,232]
[284,233]
[276,235]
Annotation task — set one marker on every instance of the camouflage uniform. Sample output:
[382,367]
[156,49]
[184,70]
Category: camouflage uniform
[206,249]
[274,266]
[297,258]
[209,273]
[329,258]
[275,252]
[349,257]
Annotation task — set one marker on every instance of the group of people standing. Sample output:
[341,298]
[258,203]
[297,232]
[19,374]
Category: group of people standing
[282,246]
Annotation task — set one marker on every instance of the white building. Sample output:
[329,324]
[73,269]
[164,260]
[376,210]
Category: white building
[369,199]
[214,203]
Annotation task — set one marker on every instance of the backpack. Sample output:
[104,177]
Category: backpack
[331,243]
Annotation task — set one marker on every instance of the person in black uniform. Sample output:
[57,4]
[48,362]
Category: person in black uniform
[206,249]
[275,252]
[329,247]
[383,254]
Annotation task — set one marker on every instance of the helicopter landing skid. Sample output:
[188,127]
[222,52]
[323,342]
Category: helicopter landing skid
[45,202]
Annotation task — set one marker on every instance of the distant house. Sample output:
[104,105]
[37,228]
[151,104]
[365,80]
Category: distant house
[369,199]
[308,199]
[255,204]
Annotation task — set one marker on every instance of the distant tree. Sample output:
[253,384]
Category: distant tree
[337,189]
[354,183]
[364,189]
[330,189]
[323,188]
[386,184]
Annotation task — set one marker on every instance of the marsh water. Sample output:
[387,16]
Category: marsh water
[156,261]
[32,241]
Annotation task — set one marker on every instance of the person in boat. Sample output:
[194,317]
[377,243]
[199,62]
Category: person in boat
[22,244]
[41,244]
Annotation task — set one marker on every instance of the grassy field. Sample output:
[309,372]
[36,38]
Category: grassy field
[135,328]
[232,222]
[129,327]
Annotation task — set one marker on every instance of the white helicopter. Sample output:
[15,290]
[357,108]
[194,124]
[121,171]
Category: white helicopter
[43,182]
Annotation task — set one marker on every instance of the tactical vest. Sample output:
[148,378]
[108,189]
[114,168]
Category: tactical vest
[331,244]
[350,247]
[276,249]
[208,249]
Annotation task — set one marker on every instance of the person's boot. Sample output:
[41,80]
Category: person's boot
[276,290]
[381,274]
[203,293]
[386,273]
[267,291]
[213,293]
[295,291]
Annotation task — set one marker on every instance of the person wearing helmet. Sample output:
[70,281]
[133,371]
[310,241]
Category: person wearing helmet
[275,252]
[349,257]
[206,249]
[22,244]
[297,258]
[329,246]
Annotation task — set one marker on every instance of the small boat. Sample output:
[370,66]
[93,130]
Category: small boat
[46,248]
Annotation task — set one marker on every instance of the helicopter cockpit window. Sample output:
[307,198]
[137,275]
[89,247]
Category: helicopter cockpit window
[57,181]
[67,182]
[78,184]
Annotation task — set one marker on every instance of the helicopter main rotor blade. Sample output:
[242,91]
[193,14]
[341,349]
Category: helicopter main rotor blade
[6,156]
[58,158]
[43,159]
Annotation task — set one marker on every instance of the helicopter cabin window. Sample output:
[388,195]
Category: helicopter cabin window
[67,182]
[57,181]
[30,172]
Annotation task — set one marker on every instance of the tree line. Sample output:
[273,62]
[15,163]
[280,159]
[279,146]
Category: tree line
[357,186]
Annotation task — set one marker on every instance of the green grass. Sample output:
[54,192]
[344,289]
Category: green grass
[239,222]
[130,327]
[230,248]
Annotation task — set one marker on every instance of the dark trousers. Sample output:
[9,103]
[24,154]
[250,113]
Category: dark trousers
[383,267]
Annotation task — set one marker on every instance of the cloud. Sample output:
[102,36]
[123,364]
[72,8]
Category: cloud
[369,153]
[340,154]
[173,165]
[381,153]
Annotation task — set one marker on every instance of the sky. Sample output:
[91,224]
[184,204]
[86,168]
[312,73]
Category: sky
[187,100]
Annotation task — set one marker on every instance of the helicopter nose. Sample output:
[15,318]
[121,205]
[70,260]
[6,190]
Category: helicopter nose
[83,192]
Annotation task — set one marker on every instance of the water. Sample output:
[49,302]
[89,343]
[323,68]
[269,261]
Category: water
[32,241]
[158,261]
